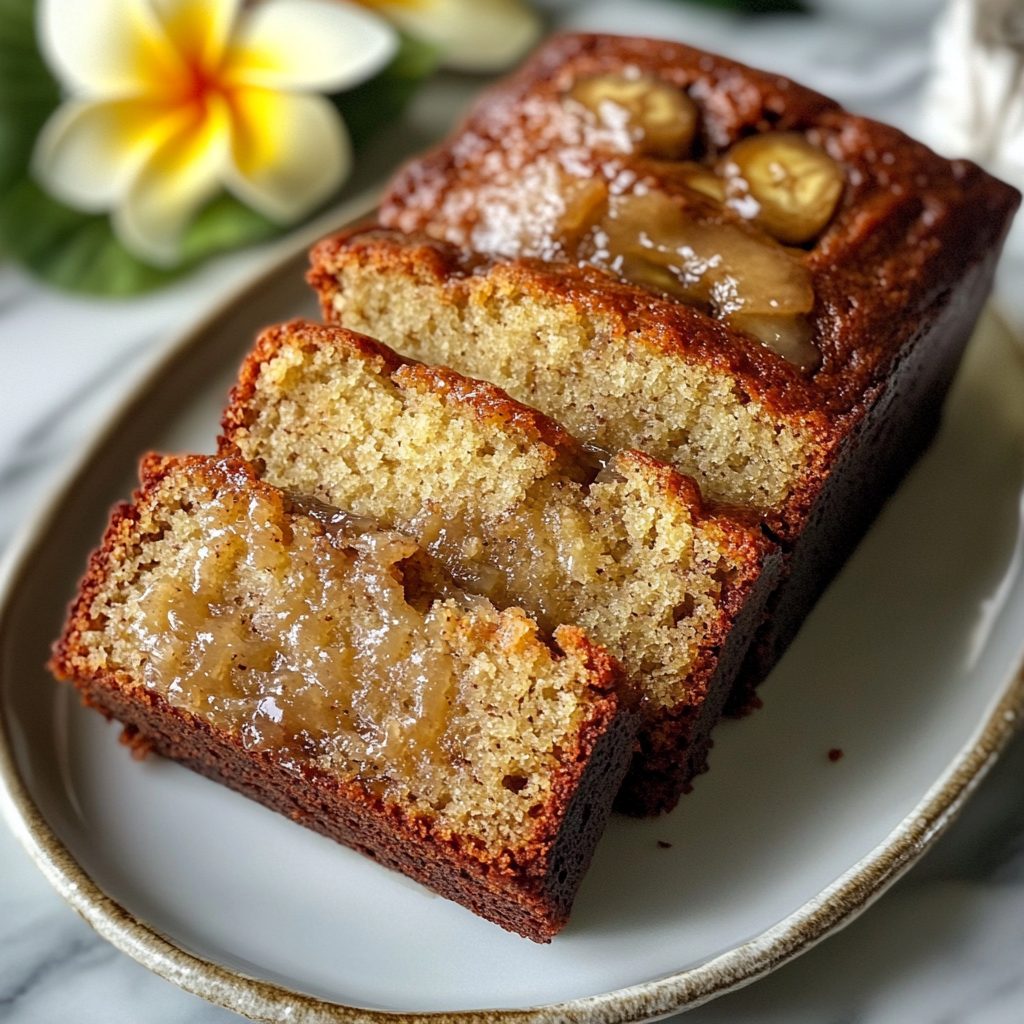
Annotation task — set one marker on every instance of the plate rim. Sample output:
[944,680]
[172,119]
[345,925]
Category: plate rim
[825,913]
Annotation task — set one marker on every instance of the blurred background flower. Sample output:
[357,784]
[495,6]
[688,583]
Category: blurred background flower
[168,105]
[140,137]
[471,35]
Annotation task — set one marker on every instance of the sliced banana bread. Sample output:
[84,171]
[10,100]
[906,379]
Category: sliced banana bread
[519,512]
[326,667]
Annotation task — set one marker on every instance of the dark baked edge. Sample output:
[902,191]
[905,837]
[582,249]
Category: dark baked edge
[673,743]
[895,431]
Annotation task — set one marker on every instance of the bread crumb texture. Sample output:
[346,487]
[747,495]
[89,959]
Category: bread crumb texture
[611,389]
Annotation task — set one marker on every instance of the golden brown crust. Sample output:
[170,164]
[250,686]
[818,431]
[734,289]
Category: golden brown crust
[271,340]
[528,889]
[520,893]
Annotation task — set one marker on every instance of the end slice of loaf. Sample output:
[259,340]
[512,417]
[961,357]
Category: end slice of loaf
[323,666]
[519,512]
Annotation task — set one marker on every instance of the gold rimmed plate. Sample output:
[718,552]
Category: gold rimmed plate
[910,665]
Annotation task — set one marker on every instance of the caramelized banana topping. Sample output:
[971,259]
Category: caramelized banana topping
[788,186]
[658,118]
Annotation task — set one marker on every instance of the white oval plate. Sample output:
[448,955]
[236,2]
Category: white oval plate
[910,665]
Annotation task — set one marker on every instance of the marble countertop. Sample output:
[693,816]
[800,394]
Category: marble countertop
[944,946]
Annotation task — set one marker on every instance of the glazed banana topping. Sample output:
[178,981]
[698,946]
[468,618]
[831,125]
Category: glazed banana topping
[642,114]
[333,660]
[783,183]
[752,283]
[713,237]
[622,191]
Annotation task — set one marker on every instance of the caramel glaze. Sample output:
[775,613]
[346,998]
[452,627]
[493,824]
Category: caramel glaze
[908,225]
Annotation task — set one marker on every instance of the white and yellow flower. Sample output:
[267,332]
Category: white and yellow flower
[171,101]
[472,35]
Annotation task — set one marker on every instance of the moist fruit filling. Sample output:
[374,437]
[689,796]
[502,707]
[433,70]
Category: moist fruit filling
[329,658]
[566,555]
[617,551]
[569,555]
[618,187]
[324,644]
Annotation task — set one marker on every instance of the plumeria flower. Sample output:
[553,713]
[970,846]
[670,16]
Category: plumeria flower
[171,101]
[472,35]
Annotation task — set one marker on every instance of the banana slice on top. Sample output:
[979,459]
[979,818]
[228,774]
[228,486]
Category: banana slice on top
[794,186]
[659,117]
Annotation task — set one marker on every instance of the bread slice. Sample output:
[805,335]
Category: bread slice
[325,667]
[519,512]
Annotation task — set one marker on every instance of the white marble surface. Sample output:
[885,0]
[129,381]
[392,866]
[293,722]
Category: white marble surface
[946,946]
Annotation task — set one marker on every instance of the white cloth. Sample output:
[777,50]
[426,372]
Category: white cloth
[974,100]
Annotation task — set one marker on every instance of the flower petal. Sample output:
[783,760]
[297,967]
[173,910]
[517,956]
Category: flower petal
[89,152]
[198,29]
[316,45]
[473,35]
[289,152]
[179,178]
[105,48]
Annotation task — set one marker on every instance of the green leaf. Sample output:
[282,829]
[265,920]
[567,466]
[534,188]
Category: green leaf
[78,251]
[28,92]
[225,224]
[71,250]
[382,99]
